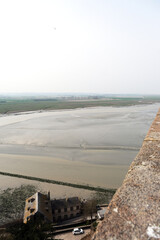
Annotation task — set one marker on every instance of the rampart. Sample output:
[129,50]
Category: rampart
[134,212]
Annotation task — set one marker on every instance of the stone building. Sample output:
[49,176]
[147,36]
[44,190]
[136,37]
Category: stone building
[57,210]
[38,205]
[63,209]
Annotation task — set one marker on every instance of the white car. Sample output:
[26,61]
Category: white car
[77,231]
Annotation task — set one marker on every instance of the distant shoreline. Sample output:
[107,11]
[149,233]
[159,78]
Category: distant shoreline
[18,106]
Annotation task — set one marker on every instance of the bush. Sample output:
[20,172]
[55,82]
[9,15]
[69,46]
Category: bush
[12,202]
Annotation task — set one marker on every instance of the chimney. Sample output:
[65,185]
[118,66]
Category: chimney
[48,195]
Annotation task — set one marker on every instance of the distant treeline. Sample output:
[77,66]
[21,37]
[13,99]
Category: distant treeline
[45,99]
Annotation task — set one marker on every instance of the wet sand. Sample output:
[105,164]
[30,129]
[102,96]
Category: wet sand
[63,170]
[56,191]
[90,146]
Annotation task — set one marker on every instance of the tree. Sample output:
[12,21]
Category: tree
[89,208]
[32,230]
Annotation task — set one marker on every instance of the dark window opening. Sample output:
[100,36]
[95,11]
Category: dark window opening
[65,217]
[32,210]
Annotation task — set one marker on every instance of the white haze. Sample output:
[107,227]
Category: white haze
[100,46]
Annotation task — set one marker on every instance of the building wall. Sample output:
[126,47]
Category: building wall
[38,204]
[30,207]
[66,213]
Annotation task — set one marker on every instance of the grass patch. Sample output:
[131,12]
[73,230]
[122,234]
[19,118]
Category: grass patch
[102,198]
[12,202]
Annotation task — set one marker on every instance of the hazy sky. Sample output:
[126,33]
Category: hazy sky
[103,46]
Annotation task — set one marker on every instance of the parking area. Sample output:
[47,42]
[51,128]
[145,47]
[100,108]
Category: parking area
[70,236]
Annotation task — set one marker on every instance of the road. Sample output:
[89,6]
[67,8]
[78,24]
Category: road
[70,236]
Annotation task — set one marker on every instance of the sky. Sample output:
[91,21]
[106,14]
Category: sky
[85,46]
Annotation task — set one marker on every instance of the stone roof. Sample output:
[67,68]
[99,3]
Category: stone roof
[134,212]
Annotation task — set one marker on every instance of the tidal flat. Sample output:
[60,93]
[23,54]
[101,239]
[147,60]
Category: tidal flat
[92,146]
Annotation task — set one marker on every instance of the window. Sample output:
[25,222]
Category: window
[65,209]
[71,216]
[32,210]
[77,207]
[71,208]
[65,217]
[47,210]
[59,210]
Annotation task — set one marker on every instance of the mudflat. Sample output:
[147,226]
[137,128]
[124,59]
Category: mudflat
[89,146]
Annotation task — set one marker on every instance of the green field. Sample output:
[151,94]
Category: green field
[15,104]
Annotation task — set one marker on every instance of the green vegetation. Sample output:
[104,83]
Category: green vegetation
[94,226]
[12,202]
[89,208]
[33,230]
[87,187]
[13,105]
[102,198]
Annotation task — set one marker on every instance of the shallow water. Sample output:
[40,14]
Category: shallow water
[91,146]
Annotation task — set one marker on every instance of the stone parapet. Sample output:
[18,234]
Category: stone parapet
[134,212]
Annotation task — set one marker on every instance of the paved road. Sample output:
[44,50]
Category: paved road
[70,236]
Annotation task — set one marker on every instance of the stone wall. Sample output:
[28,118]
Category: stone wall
[134,212]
